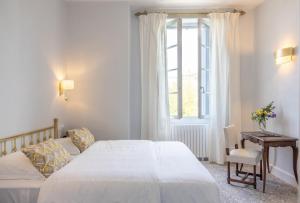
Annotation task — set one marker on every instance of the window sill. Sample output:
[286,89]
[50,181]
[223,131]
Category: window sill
[189,121]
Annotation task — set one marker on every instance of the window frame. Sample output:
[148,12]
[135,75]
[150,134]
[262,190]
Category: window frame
[201,89]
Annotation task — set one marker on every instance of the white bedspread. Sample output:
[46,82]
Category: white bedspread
[19,191]
[132,172]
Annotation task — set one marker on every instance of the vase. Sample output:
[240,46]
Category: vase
[262,126]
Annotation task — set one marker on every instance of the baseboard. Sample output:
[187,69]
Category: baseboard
[283,175]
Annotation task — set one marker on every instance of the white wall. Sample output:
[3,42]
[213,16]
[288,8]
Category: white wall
[97,58]
[135,80]
[248,70]
[277,26]
[31,60]
[41,41]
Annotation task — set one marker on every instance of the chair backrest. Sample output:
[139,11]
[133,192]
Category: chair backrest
[230,136]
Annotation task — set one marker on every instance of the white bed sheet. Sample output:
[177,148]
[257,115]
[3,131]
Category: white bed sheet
[133,172]
[182,177]
[19,191]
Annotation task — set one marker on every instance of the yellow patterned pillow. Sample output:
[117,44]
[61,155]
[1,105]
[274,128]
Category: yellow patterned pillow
[82,138]
[47,157]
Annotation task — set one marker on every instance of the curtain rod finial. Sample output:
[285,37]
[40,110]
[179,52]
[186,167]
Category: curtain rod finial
[242,13]
[141,13]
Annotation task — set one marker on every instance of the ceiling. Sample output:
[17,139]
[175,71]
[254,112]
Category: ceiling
[188,3]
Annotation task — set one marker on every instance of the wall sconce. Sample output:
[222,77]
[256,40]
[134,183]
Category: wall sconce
[65,85]
[284,55]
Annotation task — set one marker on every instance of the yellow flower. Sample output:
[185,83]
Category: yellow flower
[259,112]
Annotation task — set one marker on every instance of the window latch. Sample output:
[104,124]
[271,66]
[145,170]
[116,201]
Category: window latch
[202,90]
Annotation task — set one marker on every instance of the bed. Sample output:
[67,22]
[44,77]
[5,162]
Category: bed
[132,171]
[20,182]
[19,191]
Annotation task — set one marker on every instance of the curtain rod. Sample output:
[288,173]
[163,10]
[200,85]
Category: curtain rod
[195,13]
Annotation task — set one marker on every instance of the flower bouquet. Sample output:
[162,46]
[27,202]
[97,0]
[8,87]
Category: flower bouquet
[263,114]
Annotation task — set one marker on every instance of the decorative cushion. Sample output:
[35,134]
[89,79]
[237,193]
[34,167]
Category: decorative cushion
[82,138]
[245,156]
[68,145]
[47,157]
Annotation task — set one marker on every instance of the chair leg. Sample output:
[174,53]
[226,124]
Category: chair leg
[241,167]
[254,176]
[236,169]
[228,172]
[260,171]
[244,179]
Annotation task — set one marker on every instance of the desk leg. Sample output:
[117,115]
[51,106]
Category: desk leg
[268,159]
[260,170]
[295,158]
[243,146]
[243,143]
[265,153]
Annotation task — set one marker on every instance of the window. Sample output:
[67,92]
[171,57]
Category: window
[188,63]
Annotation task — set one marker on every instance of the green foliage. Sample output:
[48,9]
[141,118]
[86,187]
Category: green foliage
[263,114]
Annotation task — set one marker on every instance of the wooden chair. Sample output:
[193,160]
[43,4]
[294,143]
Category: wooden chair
[240,156]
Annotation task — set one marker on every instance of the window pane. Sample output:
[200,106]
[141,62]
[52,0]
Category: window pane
[172,81]
[205,104]
[205,78]
[173,105]
[205,46]
[172,43]
[190,67]
[204,35]
[205,72]
[171,32]
[188,92]
[205,92]
[204,58]
[172,58]
[172,65]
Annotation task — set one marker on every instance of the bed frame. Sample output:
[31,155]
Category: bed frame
[13,143]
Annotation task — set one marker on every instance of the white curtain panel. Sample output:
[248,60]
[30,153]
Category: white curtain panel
[155,105]
[226,102]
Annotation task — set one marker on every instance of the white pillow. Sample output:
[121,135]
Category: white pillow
[68,145]
[16,166]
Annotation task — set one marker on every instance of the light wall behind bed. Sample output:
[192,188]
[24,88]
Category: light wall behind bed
[97,58]
[31,61]
[13,143]
[43,42]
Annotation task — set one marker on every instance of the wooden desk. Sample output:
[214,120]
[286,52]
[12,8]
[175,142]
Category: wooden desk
[267,140]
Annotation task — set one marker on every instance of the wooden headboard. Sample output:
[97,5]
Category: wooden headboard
[13,143]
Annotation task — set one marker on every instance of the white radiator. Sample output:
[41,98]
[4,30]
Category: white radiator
[194,136]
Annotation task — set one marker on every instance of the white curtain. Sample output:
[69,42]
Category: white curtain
[225,82]
[155,106]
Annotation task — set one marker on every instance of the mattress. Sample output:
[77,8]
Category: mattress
[132,172]
[19,191]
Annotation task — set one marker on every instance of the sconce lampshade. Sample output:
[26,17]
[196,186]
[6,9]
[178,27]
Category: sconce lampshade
[284,55]
[67,84]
